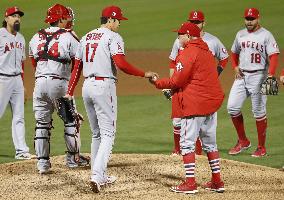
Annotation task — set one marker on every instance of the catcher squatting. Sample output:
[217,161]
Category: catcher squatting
[53,49]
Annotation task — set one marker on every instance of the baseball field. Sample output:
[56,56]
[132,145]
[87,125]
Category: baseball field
[144,124]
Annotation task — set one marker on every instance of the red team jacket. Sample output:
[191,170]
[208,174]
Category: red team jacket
[196,79]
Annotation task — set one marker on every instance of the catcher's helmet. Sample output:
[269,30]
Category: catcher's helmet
[56,12]
[71,18]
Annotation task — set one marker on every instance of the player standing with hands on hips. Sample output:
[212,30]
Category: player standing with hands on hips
[52,50]
[100,53]
[12,56]
[220,53]
[200,96]
[254,57]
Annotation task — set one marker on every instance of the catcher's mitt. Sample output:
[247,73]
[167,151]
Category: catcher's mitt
[168,93]
[66,110]
[269,86]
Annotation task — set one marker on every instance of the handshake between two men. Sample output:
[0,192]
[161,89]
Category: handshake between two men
[153,77]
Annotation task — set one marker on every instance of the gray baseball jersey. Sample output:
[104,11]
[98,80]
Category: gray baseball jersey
[254,48]
[64,47]
[12,52]
[215,45]
[99,94]
[95,50]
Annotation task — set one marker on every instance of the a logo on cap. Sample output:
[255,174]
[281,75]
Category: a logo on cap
[195,15]
[249,12]
[113,13]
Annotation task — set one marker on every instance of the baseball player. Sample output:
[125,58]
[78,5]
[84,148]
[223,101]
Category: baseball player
[219,52]
[199,97]
[254,57]
[100,52]
[12,56]
[52,50]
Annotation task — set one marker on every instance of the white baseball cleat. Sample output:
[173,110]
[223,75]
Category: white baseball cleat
[23,156]
[44,171]
[111,179]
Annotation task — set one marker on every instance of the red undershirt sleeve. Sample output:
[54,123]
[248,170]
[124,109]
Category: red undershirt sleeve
[235,60]
[273,60]
[126,67]
[75,76]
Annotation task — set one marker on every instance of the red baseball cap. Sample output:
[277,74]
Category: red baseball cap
[190,29]
[13,10]
[113,12]
[196,15]
[251,12]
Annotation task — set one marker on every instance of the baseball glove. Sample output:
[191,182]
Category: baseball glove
[168,93]
[269,86]
[66,110]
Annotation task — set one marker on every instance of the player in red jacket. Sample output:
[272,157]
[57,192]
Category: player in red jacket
[199,96]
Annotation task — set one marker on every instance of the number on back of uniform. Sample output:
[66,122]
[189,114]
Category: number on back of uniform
[53,51]
[91,51]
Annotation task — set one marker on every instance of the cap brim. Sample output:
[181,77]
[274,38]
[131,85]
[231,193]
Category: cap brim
[123,18]
[18,12]
[251,17]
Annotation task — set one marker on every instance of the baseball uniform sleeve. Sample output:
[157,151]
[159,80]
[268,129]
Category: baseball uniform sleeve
[271,45]
[24,50]
[74,46]
[221,52]
[116,45]
[79,51]
[236,47]
[175,49]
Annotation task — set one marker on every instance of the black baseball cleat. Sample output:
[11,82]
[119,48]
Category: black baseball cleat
[95,187]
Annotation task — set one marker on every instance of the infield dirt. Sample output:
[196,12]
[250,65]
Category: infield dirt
[147,176]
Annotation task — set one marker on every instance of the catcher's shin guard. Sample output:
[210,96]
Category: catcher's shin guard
[71,139]
[42,140]
[73,144]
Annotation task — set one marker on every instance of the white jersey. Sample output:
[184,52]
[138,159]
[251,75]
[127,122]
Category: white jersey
[12,52]
[215,46]
[254,49]
[95,51]
[63,47]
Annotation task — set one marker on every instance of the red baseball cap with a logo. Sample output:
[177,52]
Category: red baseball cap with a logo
[251,12]
[196,15]
[190,29]
[113,12]
[13,10]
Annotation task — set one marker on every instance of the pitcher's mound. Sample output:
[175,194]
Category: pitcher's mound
[139,176]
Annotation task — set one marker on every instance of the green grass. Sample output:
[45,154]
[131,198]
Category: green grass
[143,121]
[151,22]
[144,126]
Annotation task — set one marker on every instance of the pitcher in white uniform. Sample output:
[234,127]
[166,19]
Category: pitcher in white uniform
[12,56]
[254,57]
[100,52]
[52,50]
[219,52]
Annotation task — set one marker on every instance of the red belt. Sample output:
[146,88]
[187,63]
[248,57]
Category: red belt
[97,78]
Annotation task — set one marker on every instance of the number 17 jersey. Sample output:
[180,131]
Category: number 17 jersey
[95,51]
[254,48]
